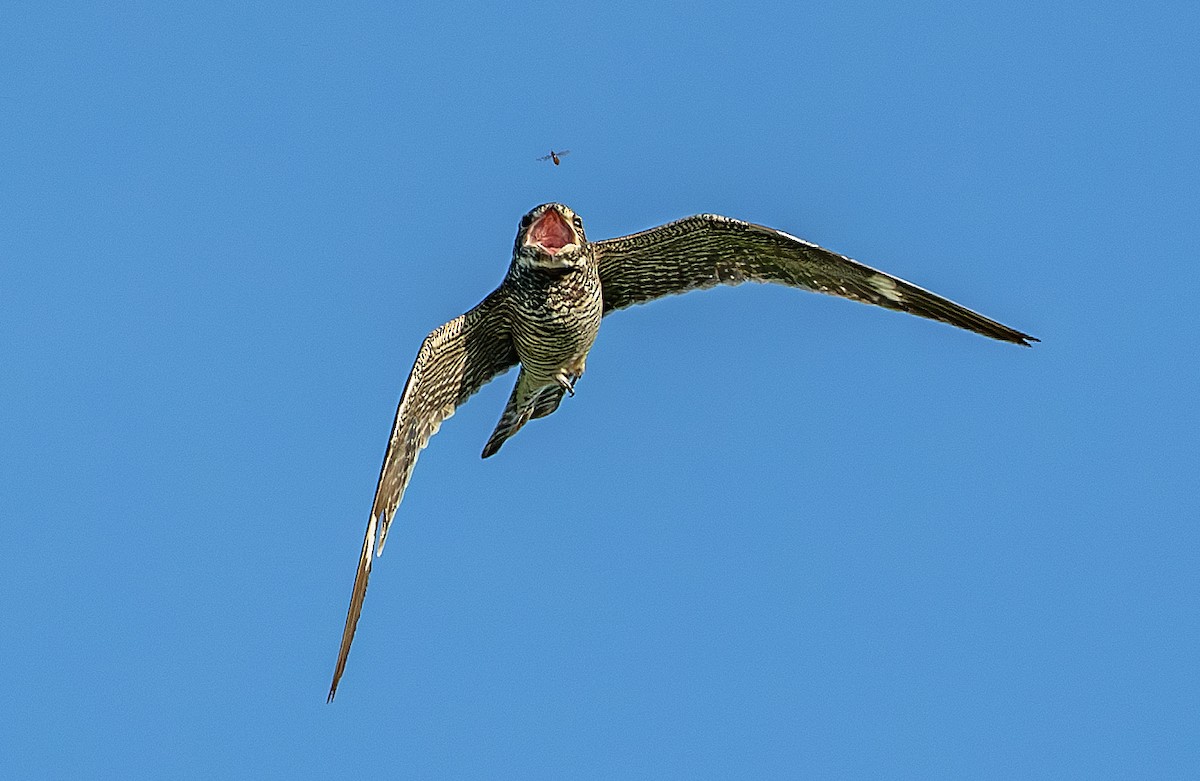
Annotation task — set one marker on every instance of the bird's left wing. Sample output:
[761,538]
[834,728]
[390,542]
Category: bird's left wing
[707,250]
[454,362]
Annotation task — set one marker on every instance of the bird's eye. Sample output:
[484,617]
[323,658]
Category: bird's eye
[578,222]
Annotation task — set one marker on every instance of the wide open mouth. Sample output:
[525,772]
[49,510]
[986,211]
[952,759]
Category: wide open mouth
[550,232]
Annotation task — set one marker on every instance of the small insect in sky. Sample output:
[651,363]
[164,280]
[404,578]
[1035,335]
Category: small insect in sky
[555,155]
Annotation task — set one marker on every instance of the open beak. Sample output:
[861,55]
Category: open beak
[551,233]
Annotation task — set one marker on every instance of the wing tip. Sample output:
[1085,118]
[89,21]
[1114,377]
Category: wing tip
[370,547]
[1024,340]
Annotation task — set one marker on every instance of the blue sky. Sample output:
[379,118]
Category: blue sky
[774,534]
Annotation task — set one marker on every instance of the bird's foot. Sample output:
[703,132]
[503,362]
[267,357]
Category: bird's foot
[567,382]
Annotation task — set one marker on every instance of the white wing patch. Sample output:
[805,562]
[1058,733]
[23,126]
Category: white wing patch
[886,287]
[372,523]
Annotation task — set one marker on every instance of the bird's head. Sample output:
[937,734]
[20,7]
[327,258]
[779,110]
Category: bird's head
[551,237]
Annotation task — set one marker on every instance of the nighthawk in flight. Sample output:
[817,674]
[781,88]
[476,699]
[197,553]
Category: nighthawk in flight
[546,312]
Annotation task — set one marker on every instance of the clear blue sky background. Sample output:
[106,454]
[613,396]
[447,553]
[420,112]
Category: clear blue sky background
[775,534]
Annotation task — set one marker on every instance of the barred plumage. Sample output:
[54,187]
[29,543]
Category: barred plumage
[547,311]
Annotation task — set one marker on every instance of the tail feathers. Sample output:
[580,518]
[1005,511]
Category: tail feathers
[547,401]
[524,405]
[510,423]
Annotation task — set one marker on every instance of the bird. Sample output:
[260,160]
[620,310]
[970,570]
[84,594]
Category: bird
[546,313]
[554,156]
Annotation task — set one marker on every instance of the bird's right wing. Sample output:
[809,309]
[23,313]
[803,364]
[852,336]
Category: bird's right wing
[700,252]
[454,362]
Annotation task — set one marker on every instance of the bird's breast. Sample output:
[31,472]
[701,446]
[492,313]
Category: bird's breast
[555,319]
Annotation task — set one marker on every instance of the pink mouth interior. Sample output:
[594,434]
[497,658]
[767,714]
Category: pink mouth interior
[552,232]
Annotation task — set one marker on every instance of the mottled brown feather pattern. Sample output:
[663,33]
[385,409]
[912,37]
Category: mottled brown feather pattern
[707,250]
[454,362]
